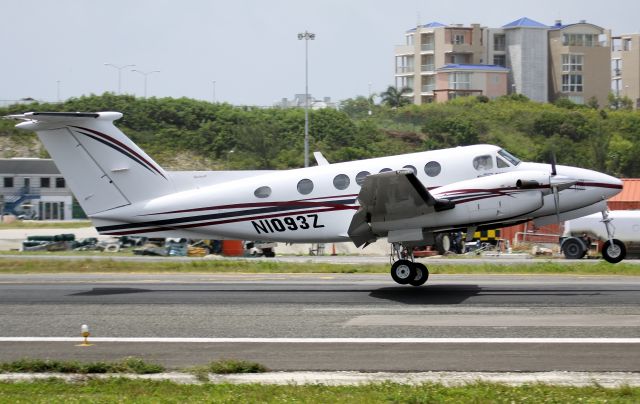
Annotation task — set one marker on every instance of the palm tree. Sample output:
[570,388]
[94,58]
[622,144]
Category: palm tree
[395,98]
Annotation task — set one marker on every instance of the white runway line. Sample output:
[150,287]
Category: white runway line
[337,340]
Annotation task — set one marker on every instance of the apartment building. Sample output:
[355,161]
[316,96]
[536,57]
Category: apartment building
[626,67]
[430,47]
[36,189]
[459,80]
[543,62]
[579,62]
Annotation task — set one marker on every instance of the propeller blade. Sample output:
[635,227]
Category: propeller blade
[553,164]
[556,201]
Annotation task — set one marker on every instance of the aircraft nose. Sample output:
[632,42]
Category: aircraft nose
[608,185]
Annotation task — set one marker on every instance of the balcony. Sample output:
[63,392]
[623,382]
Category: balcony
[427,47]
[405,49]
[428,68]
[404,69]
[428,88]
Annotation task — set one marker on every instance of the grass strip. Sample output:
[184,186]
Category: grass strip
[20,224]
[145,391]
[18,266]
[127,365]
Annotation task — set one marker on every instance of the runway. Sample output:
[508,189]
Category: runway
[330,322]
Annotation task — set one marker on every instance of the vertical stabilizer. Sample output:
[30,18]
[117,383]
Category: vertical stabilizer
[103,167]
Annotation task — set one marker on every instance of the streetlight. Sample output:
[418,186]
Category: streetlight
[145,74]
[58,89]
[119,68]
[306,36]
[213,98]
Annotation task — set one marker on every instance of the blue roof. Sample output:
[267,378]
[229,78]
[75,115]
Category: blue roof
[525,22]
[433,24]
[473,67]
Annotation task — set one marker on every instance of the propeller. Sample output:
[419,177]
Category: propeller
[554,188]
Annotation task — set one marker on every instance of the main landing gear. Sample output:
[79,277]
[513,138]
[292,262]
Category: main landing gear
[405,270]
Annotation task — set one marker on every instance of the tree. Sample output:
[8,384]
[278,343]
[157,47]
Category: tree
[395,97]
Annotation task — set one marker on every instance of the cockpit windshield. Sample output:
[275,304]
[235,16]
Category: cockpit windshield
[509,157]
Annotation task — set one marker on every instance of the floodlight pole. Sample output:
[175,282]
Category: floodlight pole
[119,68]
[306,36]
[145,74]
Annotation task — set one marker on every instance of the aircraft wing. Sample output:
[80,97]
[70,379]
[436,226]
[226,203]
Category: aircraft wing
[392,195]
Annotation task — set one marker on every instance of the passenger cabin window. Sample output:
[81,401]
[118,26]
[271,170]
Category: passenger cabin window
[262,192]
[384,170]
[501,163]
[361,176]
[305,186]
[412,168]
[432,168]
[341,181]
[482,163]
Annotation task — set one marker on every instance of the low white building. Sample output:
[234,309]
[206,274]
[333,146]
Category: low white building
[35,188]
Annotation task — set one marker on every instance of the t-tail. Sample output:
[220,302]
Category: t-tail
[104,168]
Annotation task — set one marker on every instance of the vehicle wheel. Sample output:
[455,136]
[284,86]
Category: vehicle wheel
[614,252]
[403,271]
[573,249]
[443,243]
[268,252]
[422,274]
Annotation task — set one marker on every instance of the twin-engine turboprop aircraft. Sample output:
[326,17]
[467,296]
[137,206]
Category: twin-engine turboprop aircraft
[411,199]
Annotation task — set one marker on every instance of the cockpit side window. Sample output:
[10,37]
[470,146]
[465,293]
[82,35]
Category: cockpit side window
[482,163]
[502,163]
[509,157]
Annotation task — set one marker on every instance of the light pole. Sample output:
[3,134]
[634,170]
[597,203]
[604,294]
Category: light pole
[58,89]
[213,98]
[119,68]
[370,100]
[145,74]
[306,36]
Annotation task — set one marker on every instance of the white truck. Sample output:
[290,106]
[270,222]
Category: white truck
[625,225]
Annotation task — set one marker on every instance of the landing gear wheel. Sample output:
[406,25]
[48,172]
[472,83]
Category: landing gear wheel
[443,243]
[573,249]
[422,274]
[614,252]
[403,271]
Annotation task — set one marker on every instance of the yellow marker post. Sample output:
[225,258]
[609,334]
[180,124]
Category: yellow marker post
[84,331]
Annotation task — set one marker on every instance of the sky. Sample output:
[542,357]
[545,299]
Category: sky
[248,47]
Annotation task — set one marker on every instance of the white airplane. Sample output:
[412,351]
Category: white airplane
[410,199]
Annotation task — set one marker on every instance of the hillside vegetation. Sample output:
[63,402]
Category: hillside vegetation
[191,134]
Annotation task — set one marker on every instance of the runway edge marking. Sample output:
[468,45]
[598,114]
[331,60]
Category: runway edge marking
[338,340]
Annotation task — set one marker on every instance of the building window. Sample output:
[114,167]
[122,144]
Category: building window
[458,39]
[459,81]
[500,60]
[572,63]
[576,99]
[588,40]
[499,43]
[409,39]
[572,83]
[60,183]
[8,182]
[626,44]
[45,182]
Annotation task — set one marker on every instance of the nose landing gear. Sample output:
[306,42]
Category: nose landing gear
[613,250]
[405,271]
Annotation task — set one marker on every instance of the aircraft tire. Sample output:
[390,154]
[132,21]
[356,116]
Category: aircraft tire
[422,274]
[573,249]
[614,252]
[403,271]
[443,243]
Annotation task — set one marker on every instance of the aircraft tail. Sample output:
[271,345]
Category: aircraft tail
[103,167]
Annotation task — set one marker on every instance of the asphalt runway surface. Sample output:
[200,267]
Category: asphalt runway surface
[329,322]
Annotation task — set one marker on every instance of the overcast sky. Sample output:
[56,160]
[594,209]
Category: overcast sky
[249,47]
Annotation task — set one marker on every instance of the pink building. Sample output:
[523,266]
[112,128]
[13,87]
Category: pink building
[457,80]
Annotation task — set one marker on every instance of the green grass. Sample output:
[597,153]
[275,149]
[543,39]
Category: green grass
[127,365]
[20,266]
[35,224]
[228,366]
[143,391]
